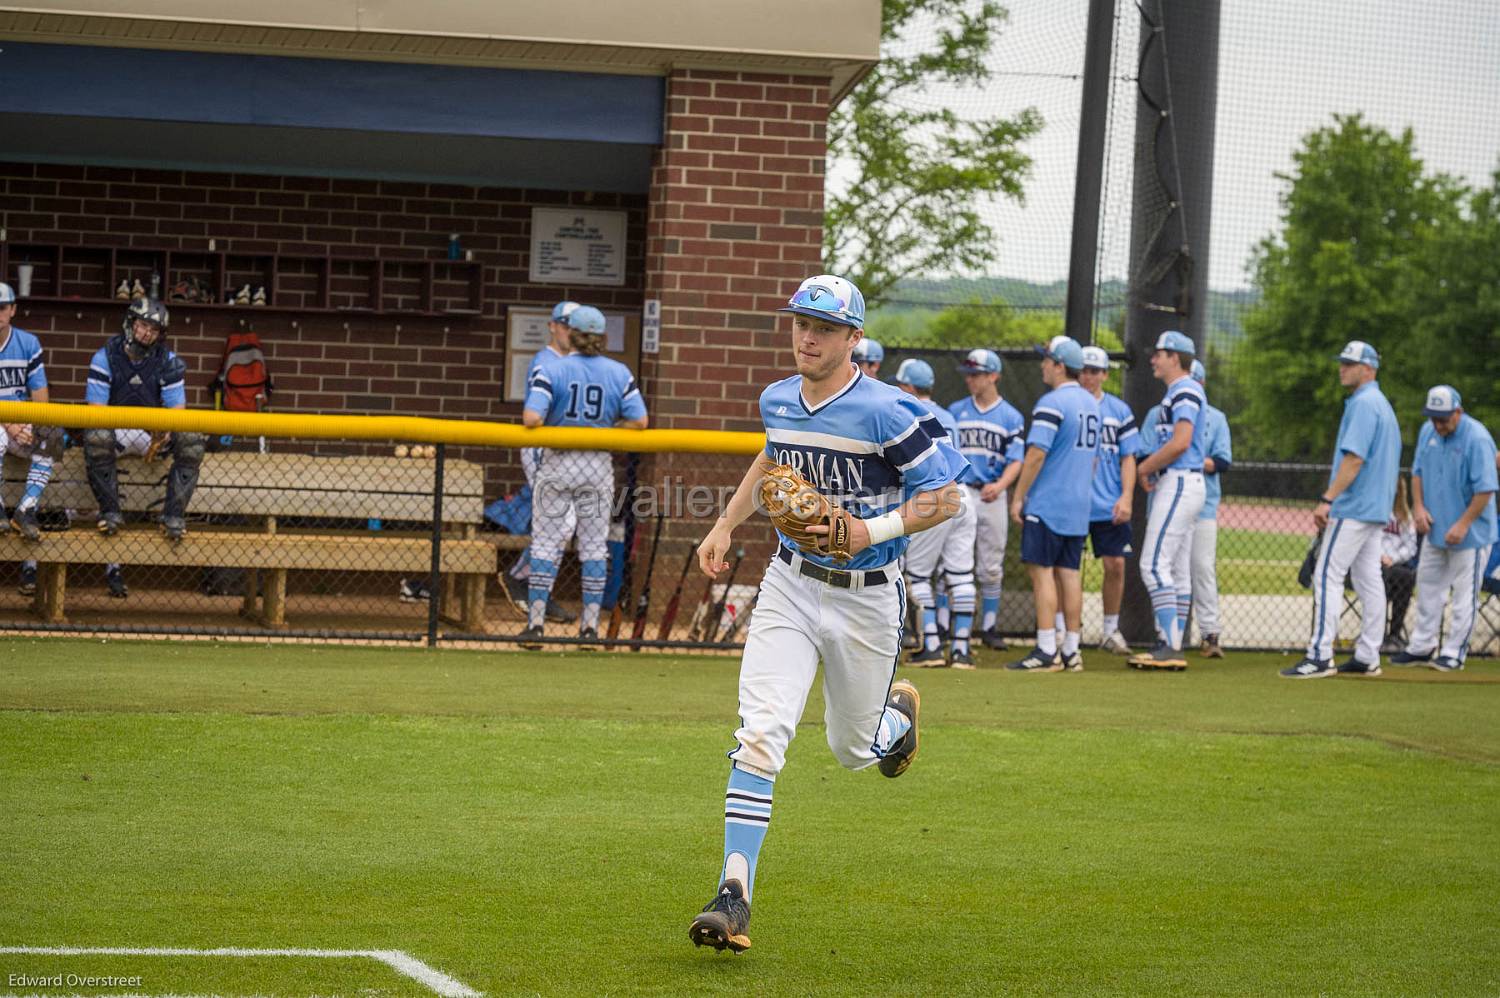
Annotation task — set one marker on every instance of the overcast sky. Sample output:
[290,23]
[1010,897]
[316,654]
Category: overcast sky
[1286,66]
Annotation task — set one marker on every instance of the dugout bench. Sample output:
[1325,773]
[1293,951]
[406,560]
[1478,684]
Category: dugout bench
[260,491]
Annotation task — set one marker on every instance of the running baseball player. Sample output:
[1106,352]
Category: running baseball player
[1174,472]
[1217,456]
[1051,503]
[868,355]
[832,590]
[558,345]
[1113,492]
[1453,484]
[992,435]
[1352,513]
[574,491]
[949,545]
[23,378]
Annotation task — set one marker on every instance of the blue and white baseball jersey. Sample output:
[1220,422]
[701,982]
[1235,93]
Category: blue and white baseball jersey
[1215,445]
[1369,431]
[869,448]
[21,370]
[1065,424]
[578,390]
[165,366]
[546,353]
[1454,469]
[990,438]
[949,425]
[1118,439]
[1183,403]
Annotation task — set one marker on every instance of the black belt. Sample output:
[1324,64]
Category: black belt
[832,576]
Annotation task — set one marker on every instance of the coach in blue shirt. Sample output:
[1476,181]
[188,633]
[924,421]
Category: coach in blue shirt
[1453,484]
[1352,512]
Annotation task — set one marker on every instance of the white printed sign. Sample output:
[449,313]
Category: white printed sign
[573,246]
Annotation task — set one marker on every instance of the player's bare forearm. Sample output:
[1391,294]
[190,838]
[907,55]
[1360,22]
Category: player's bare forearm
[1009,475]
[531,417]
[1127,476]
[1460,528]
[1182,438]
[41,395]
[633,424]
[715,546]
[1348,471]
[926,510]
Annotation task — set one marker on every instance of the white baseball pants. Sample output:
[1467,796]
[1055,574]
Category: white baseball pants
[574,493]
[1166,552]
[1441,571]
[1205,571]
[991,530]
[1350,547]
[797,621]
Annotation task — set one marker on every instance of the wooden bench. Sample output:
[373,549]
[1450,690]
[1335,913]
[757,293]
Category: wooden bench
[262,491]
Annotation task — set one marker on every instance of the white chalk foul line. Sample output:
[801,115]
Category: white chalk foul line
[402,963]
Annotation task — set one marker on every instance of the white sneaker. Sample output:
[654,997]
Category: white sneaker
[1115,644]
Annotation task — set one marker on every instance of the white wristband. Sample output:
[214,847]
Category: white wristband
[885,527]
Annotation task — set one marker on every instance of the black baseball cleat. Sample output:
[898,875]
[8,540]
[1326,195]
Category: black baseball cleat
[928,658]
[24,522]
[116,583]
[1072,661]
[28,581]
[1310,668]
[898,757]
[527,637]
[1037,660]
[1354,667]
[1161,658]
[414,591]
[173,527]
[962,660]
[110,523]
[993,640]
[724,920]
[1445,663]
[589,638]
[1411,658]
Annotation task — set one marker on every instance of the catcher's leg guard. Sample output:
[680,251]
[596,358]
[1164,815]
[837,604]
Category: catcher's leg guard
[99,457]
[187,456]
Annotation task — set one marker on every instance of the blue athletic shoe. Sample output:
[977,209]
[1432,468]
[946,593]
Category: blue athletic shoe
[1310,668]
[1409,658]
[1445,663]
[1354,667]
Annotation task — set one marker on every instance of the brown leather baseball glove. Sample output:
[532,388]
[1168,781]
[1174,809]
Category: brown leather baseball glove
[794,505]
[159,442]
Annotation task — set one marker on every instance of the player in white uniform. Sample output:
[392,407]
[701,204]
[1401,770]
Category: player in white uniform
[866,446]
[558,345]
[949,545]
[1166,552]
[868,355]
[23,378]
[1453,486]
[575,490]
[992,434]
[1218,454]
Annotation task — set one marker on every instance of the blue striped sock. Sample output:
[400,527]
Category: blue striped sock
[747,816]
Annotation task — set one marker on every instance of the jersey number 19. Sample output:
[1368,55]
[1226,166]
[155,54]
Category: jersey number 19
[593,400]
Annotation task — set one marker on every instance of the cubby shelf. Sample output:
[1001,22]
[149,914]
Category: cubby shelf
[294,282]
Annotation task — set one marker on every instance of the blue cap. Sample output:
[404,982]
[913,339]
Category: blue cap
[1199,373]
[1096,358]
[914,372]
[586,319]
[1359,352]
[829,298]
[7,294]
[1176,342]
[561,309]
[867,351]
[1442,401]
[980,362]
[1065,350]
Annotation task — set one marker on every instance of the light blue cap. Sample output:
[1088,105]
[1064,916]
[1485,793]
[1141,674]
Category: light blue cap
[561,309]
[7,294]
[830,298]
[1177,342]
[1360,352]
[1065,350]
[914,372]
[1199,373]
[867,351]
[586,319]
[980,362]
[1442,401]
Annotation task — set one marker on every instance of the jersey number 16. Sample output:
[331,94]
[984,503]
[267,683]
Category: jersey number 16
[1088,432]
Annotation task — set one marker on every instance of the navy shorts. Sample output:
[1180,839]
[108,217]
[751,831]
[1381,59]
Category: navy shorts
[1109,539]
[1040,546]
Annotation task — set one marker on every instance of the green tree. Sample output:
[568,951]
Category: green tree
[1356,221]
[912,173]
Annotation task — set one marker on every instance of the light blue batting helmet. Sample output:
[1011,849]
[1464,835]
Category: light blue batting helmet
[830,298]
[586,319]
[914,372]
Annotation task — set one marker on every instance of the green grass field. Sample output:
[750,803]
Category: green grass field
[549,824]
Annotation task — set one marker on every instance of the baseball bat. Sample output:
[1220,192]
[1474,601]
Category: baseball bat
[643,602]
[739,621]
[669,616]
[700,613]
[711,629]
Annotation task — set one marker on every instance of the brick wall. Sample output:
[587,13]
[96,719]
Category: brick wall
[321,362]
[736,216]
